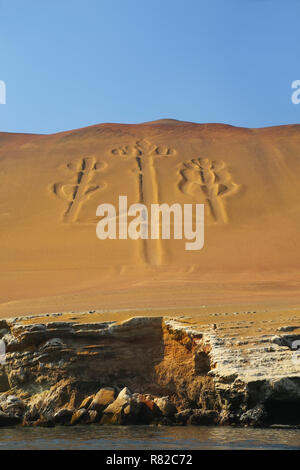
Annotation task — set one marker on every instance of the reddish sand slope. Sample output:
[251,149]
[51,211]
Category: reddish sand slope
[51,185]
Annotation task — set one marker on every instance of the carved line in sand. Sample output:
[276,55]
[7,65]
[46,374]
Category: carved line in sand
[145,154]
[78,192]
[215,182]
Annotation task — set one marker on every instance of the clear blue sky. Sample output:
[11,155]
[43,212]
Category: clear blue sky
[73,63]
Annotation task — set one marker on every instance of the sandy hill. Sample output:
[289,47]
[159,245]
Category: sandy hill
[51,185]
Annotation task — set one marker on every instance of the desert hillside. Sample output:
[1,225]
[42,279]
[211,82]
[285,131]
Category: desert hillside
[51,186]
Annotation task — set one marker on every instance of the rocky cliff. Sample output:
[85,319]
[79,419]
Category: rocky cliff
[146,370]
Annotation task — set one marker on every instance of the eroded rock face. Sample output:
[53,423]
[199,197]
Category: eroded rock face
[144,370]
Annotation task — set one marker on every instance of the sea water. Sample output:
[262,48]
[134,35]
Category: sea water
[148,438]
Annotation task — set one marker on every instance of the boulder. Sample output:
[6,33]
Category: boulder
[122,399]
[8,419]
[63,416]
[137,412]
[30,417]
[105,397]
[13,405]
[254,417]
[128,409]
[182,416]
[203,417]
[93,416]
[167,408]
[149,402]
[86,402]
[113,413]
[84,416]
[80,417]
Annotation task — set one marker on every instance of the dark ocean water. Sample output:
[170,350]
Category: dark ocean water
[148,438]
